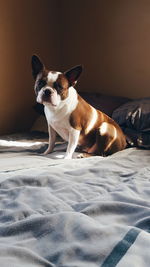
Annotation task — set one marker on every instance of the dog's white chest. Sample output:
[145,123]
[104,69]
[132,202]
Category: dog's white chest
[59,118]
[61,129]
[59,123]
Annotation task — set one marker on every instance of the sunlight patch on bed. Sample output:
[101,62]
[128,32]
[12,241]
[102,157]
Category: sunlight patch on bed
[18,143]
[60,156]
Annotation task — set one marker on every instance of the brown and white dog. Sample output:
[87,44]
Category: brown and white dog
[71,116]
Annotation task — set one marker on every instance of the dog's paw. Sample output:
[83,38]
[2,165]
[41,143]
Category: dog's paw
[46,152]
[67,157]
[84,155]
[80,156]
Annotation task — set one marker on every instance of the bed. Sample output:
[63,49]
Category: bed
[80,212]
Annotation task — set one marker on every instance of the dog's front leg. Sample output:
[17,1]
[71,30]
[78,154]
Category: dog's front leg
[72,143]
[52,139]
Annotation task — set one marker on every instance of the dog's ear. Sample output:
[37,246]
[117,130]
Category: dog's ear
[73,74]
[37,66]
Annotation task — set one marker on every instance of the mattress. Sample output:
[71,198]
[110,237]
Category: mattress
[79,212]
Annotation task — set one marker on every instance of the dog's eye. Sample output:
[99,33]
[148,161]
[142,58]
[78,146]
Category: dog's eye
[39,85]
[57,86]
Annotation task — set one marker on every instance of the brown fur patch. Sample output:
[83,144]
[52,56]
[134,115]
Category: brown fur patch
[81,118]
[62,86]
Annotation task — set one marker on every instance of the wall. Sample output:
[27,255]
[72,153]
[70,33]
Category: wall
[26,27]
[112,40]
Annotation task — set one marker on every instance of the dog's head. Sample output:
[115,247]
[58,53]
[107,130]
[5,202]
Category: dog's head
[51,87]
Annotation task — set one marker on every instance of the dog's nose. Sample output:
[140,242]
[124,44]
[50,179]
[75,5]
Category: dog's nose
[47,92]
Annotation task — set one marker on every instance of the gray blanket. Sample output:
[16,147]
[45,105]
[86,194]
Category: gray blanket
[71,213]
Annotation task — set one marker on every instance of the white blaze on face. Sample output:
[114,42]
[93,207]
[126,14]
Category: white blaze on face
[52,77]
[92,121]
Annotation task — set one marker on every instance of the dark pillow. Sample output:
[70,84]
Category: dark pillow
[134,118]
[134,115]
[106,104]
[136,138]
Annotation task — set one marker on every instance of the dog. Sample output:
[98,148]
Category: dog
[69,115]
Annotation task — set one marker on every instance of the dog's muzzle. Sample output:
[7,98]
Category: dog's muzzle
[44,95]
[48,95]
